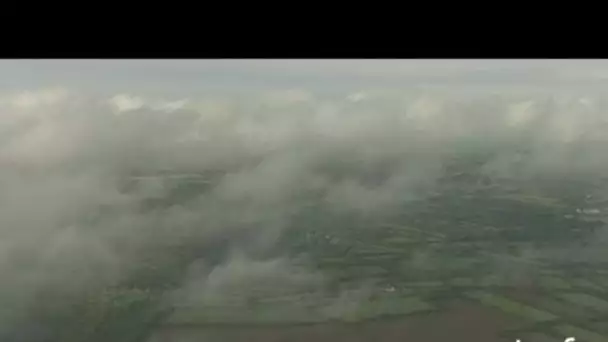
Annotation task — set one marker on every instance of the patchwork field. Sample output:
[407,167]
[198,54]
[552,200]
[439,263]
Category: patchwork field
[440,284]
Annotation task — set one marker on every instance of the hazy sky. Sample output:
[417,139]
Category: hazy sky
[188,75]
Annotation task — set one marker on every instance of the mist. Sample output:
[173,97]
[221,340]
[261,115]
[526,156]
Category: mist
[81,199]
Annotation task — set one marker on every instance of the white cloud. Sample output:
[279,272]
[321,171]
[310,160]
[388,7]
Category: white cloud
[35,99]
[124,103]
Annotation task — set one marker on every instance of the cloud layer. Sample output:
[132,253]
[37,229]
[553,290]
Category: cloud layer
[79,175]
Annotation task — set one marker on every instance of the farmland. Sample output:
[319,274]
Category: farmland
[473,257]
[505,253]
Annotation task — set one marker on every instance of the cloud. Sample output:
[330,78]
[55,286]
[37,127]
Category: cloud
[81,202]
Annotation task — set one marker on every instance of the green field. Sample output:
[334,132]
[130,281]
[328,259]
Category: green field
[512,307]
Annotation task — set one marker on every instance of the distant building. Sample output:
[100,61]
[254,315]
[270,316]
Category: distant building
[589,211]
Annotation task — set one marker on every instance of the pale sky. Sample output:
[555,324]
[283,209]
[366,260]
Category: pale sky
[188,75]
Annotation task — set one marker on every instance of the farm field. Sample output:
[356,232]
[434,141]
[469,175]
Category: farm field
[470,279]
